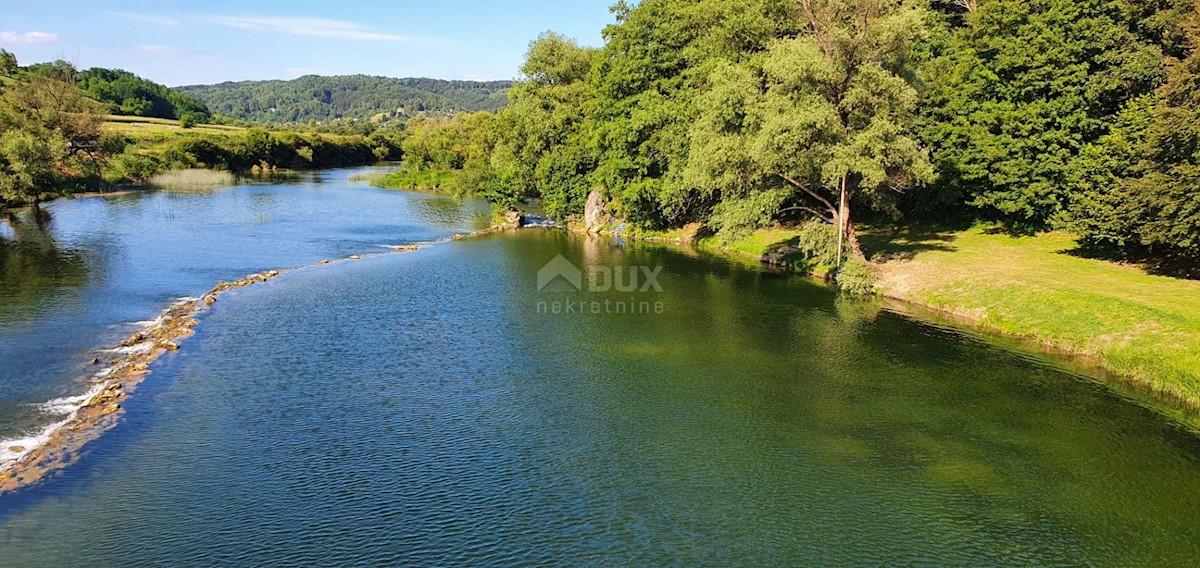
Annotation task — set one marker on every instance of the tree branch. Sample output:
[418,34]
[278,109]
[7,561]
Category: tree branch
[809,191]
[810,210]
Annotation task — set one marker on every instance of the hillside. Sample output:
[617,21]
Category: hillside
[320,98]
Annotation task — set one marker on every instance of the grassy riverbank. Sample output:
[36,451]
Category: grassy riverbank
[1140,326]
[419,179]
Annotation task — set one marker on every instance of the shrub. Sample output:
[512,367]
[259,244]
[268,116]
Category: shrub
[855,278]
[817,241]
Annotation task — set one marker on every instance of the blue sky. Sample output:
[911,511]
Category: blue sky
[181,43]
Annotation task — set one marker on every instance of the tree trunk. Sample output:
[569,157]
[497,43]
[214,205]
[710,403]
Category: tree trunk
[853,248]
[847,236]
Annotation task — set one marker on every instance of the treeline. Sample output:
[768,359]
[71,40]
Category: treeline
[54,140]
[128,94]
[138,159]
[1037,114]
[315,98]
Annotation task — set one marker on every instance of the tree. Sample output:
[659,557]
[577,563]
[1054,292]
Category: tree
[8,63]
[51,132]
[542,148]
[820,120]
[1143,191]
[1022,87]
[656,60]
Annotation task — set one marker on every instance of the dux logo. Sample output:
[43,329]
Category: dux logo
[600,278]
[557,268]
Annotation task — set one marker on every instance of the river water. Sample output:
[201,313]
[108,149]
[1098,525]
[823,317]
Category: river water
[453,406]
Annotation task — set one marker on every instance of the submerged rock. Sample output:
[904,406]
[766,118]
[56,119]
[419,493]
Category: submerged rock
[16,449]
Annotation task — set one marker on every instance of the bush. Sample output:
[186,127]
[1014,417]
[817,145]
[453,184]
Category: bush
[855,278]
[818,242]
[135,167]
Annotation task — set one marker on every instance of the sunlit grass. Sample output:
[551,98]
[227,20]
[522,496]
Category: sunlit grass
[1139,325]
[195,179]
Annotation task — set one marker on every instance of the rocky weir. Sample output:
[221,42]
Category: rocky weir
[100,409]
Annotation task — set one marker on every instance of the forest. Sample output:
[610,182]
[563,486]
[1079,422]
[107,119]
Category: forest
[1031,114]
[360,97]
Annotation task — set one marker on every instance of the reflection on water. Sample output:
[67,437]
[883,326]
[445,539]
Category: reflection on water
[34,269]
[417,409]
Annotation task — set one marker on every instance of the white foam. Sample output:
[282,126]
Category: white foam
[68,406]
[131,349]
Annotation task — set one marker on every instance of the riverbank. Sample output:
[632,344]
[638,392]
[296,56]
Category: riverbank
[1142,328]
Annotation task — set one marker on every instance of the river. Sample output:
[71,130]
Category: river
[467,404]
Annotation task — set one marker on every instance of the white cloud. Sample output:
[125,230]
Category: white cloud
[27,38]
[311,27]
[163,21]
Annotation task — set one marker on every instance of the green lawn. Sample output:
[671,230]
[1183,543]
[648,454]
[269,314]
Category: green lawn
[147,125]
[1141,326]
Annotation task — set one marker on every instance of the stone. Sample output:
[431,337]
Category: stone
[95,361]
[514,218]
[16,449]
[595,215]
[355,257]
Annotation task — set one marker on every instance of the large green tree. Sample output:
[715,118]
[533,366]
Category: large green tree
[542,149]
[1142,191]
[818,121]
[657,57]
[49,132]
[1021,88]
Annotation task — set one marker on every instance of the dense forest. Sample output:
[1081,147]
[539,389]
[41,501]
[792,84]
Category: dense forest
[360,97]
[1032,114]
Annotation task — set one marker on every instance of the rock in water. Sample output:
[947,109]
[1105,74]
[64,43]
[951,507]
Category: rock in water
[595,217]
[514,218]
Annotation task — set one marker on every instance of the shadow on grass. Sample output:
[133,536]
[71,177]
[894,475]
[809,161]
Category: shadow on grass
[884,244]
[1175,266]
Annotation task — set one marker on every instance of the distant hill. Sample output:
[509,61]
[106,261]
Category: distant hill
[318,98]
[124,93]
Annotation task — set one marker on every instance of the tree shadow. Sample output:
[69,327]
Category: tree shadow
[1173,265]
[885,244]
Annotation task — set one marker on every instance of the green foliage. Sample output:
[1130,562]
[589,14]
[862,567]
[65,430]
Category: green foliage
[1020,89]
[126,93]
[829,109]
[855,278]
[656,59]
[27,165]
[736,217]
[8,63]
[818,242]
[347,98]
[541,143]
[1140,191]
[49,134]
[187,121]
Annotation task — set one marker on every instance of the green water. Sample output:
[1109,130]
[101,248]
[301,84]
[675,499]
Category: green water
[429,408]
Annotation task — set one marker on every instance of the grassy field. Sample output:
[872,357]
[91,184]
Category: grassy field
[1138,325]
[144,125]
